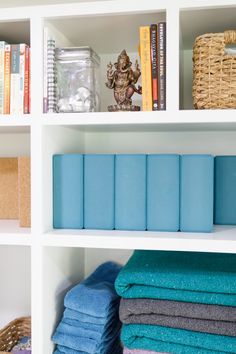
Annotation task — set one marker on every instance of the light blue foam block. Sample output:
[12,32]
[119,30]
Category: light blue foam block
[68,191]
[130,192]
[99,191]
[196,193]
[163,192]
[225,190]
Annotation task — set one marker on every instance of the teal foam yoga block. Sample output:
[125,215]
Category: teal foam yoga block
[163,192]
[99,191]
[196,193]
[130,192]
[68,191]
[225,190]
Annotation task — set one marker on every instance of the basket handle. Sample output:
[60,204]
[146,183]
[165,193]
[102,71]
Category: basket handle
[230,37]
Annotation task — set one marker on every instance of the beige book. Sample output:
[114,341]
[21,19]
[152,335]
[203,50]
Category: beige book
[9,188]
[24,191]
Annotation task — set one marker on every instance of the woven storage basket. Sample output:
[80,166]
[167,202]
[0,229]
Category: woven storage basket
[214,72]
[13,332]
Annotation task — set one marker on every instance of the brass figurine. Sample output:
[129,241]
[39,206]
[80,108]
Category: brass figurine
[122,80]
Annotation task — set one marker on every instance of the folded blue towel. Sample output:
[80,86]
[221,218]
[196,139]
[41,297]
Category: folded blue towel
[183,276]
[88,345]
[79,316]
[94,295]
[115,349]
[178,341]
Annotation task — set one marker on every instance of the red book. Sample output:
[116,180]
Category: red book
[153,32]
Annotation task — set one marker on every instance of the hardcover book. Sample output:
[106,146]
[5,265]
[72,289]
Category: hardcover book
[162,65]
[154,67]
[7,79]
[145,54]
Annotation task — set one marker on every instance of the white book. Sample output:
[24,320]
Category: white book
[2,73]
[22,78]
[15,79]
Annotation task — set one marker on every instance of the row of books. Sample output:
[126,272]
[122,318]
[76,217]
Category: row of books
[153,66]
[14,78]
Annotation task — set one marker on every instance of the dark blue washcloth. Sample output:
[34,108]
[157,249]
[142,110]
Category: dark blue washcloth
[182,276]
[94,295]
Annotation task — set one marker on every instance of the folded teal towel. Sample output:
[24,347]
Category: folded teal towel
[183,276]
[94,295]
[174,340]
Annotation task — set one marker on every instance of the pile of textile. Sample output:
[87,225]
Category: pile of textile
[23,346]
[178,302]
[90,323]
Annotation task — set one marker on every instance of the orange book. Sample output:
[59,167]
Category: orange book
[26,81]
[145,54]
[7,79]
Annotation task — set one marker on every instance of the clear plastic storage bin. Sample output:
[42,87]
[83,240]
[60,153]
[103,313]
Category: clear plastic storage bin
[77,77]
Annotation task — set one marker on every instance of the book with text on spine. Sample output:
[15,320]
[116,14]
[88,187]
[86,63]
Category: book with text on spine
[26,81]
[154,67]
[7,79]
[145,53]
[15,79]
[2,71]
[22,77]
[162,65]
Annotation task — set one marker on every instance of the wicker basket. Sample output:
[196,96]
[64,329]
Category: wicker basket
[13,332]
[214,72]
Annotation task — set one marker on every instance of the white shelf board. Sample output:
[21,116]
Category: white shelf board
[223,240]
[12,234]
[162,120]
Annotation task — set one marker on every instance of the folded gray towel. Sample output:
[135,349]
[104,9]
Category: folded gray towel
[184,315]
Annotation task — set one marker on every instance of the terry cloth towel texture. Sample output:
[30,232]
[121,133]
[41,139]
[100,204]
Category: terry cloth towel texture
[116,349]
[208,278]
[91,324]
[186,315]
[137,351]
[94,295]
[177,341]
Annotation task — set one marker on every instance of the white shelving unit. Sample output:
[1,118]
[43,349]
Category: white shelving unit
[44,262]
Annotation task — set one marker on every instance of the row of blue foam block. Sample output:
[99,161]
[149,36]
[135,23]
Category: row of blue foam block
[143,192]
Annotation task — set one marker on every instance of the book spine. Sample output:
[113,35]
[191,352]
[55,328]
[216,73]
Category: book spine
[154,67]
[15,78]
[162,65]
[22,78]
[29,80]
[45,78]
[145,53]
[2,62]
[51,85]
[7,79]
[26,83]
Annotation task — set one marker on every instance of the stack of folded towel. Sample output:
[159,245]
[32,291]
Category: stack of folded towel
[90,323]
[178,302]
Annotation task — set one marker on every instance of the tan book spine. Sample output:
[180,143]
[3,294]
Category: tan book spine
[145,54]
[7,79]
[9,188]
[24,191]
